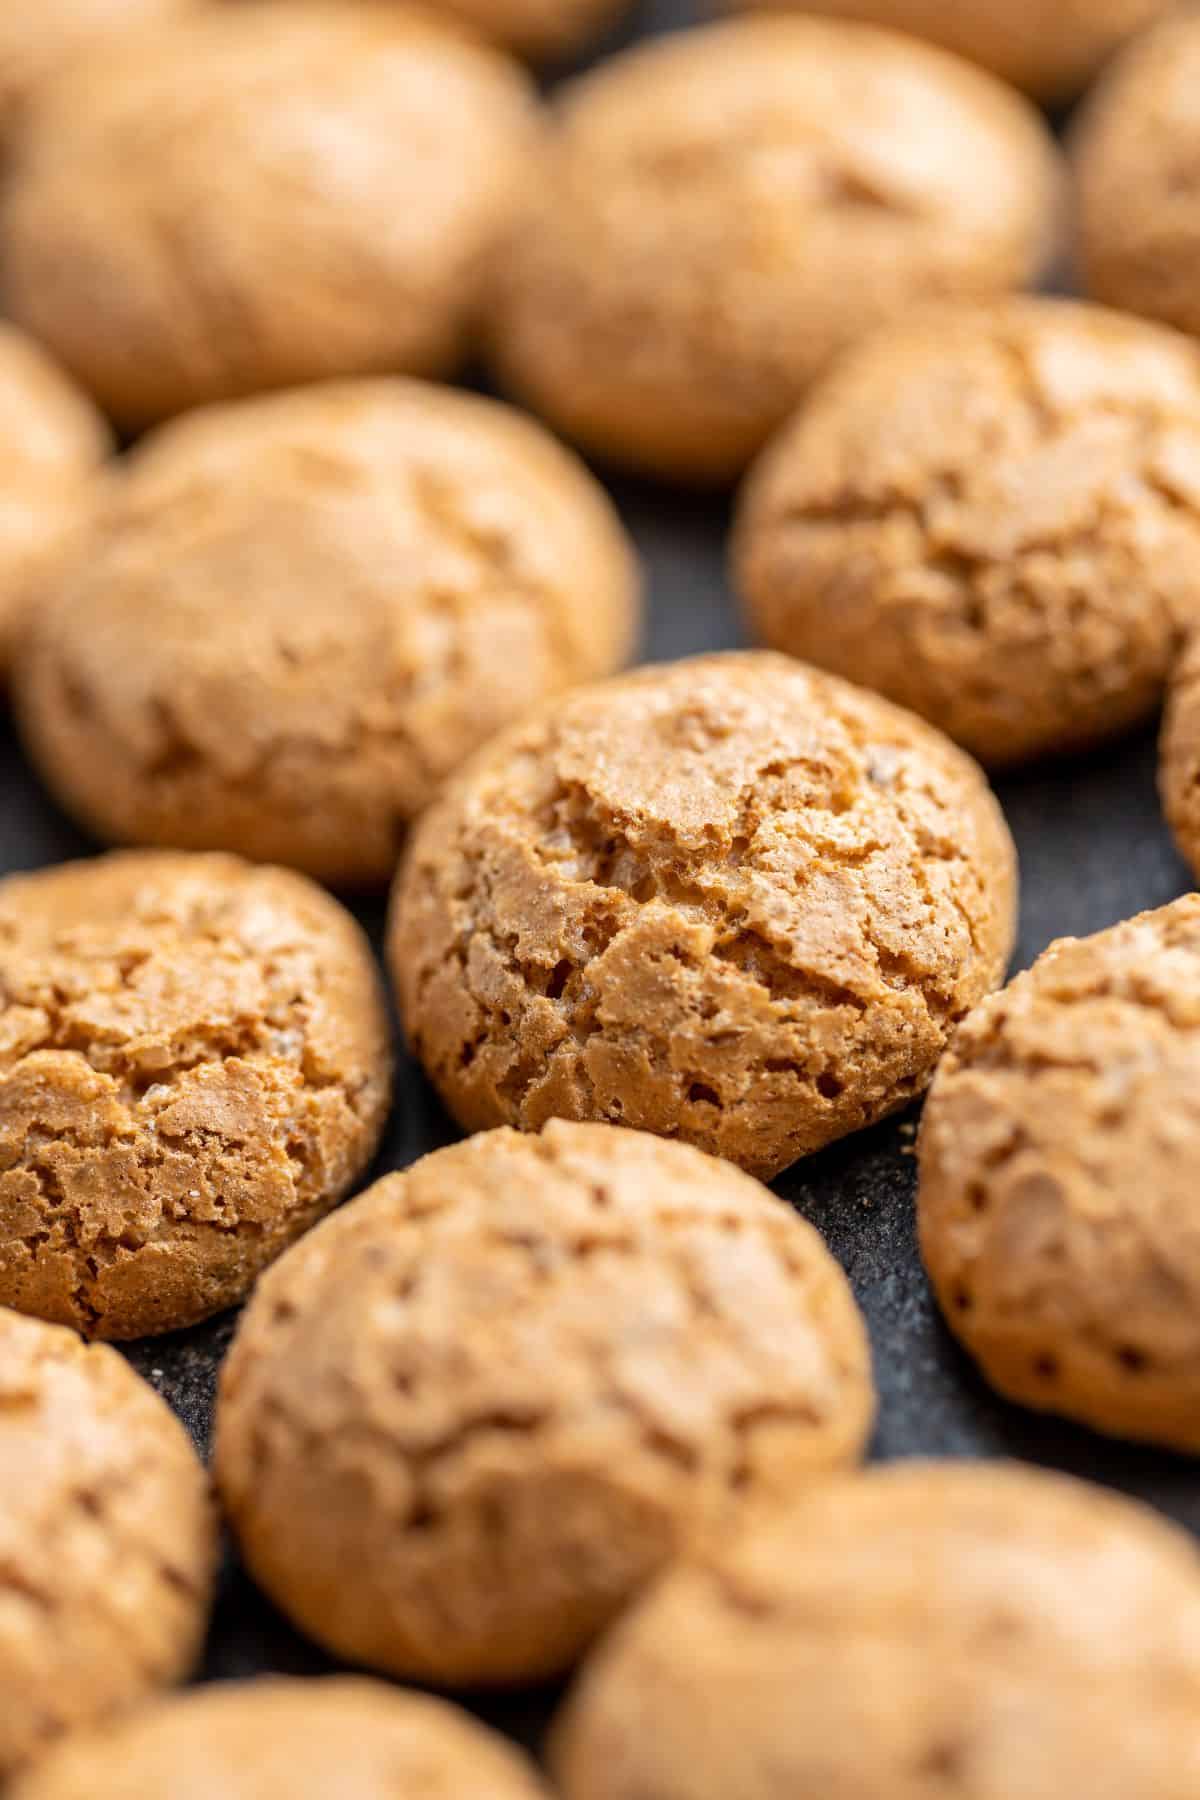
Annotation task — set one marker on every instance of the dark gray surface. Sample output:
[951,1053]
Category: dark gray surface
[1093,850]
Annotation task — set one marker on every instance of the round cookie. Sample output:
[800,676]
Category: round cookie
[108,1539]
[538,28]
[1051,48]
[730,900]
[52,442]
[277,1739]
[1179,755]
[992,515]
[1057,1208]
[720,210]
[472,1415]
[1135,152]
[300,612]
[974,1629]
[264,196]
[194,1067]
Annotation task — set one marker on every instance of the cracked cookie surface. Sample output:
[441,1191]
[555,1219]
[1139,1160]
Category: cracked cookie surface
[194,1067]
[108,1539]
[299,613]
[264,196]
[923,1631]
[1057,1205]
[992,515]
[723,209]
[468,1418]
[731,900]
[291,1740]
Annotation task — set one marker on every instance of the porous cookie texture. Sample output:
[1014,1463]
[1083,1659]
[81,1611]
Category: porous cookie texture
[992,515]
[290,1740]
[538,28]
[1058,1212]
[1179,755]
[731,900]
[52,442]
[107,1539]
[298,613]
[976,1630]
[1137,156]
[475,1412]
[720,210]
[193,1068]
[37,42]
[263,196]
[1051,48]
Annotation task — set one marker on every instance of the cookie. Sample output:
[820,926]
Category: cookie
[108,1539]
[992,515]
[264,196]
[193,1068]
[924,1630]
[1051,48]
[290,1740]
[472,1415]
[37,42]
[730,900]
[1135,151]
[538,28]
[1179,755]
[53,442]
[1057,1211]
[300,612]
[720,210]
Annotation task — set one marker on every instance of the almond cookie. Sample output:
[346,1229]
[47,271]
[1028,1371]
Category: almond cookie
[300,612]
[720,210]
[1057,1207]
[972,1629]
[992,515]
[107,1539]
[538,28]
[1136,155]
[472,1415]
[290,1740]
[731,900]
[193,1068]
[263,196]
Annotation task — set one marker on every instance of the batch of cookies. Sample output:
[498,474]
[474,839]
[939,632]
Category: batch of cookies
[576,1395]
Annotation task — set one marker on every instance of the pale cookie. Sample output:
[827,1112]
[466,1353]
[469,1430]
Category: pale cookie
[1179,755]
[1058,1212]
[730,900]
[263,196]
[299,613]
[193,1068]
[720,210]
[291,1740]
[39,39]
[922,1632]
[538,28]
[992,515]
[108,1539]
[463,1423]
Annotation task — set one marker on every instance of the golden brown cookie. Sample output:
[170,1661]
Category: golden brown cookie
[720,210]
[472,1415]
[300,612]
[1057,1206]
[1051,48]
[290,1740]
[992,515]
[1179,755]
[1137,167]
[263,196]
[107,1539]
[538,28]
[925,1631]
[193,1068]
[730,900]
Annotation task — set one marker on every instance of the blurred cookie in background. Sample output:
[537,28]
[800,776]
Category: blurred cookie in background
[39,39]
[538,29]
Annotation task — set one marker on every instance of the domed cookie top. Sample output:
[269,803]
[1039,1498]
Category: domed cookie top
[992,515]
[468,1418]
[300,612]
[720,210]
[538,28]
[264,195]
[107,1539]
[193,1068]
[1058,1209]
[730,900]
